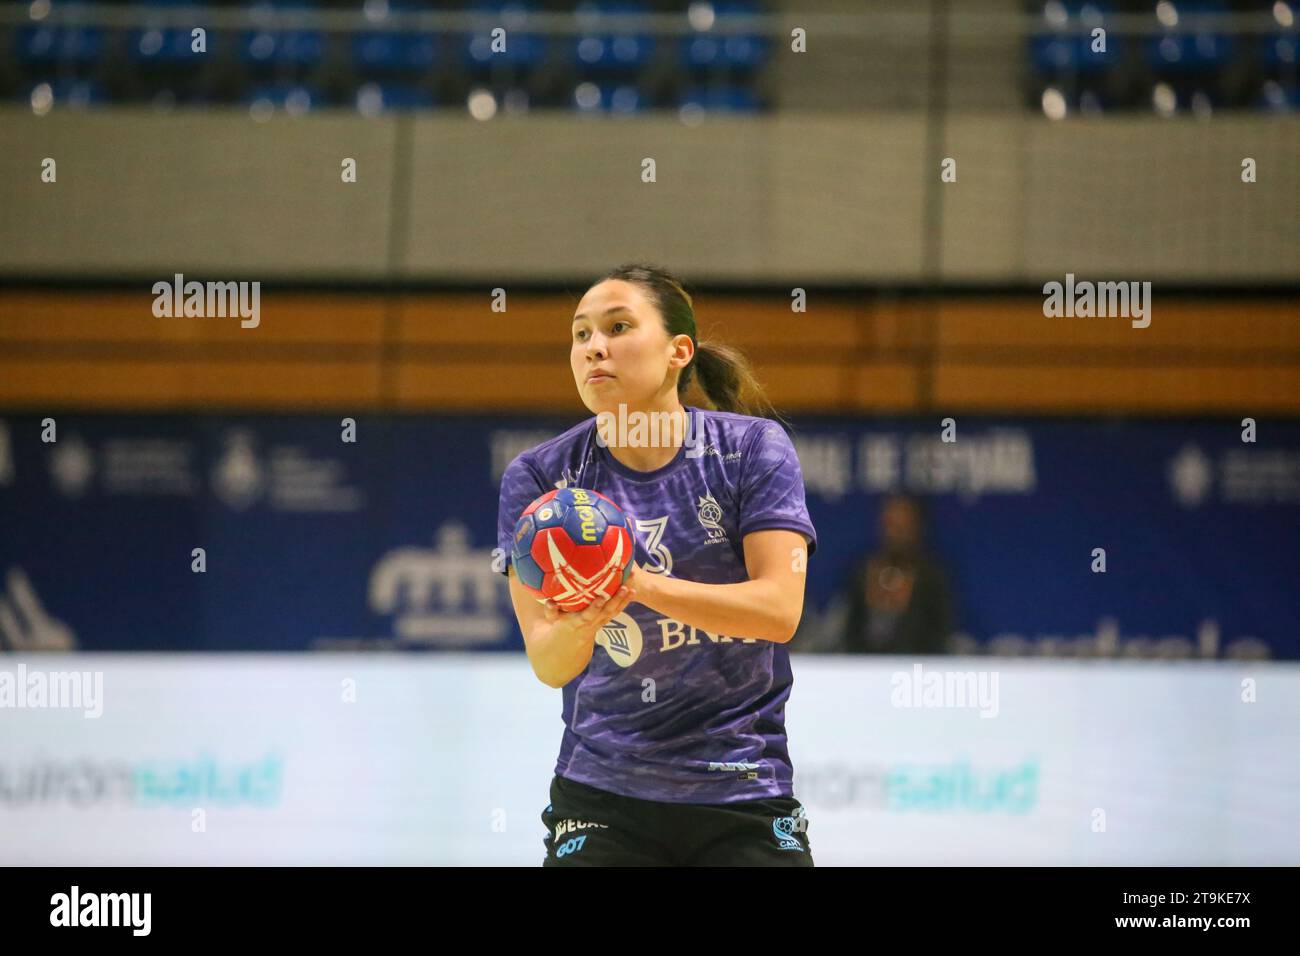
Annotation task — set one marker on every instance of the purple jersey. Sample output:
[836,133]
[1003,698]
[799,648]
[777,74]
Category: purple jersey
[711,726]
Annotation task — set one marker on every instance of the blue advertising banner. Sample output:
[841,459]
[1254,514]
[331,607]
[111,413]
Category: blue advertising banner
[1144,538]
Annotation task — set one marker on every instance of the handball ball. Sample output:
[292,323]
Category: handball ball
[574,547]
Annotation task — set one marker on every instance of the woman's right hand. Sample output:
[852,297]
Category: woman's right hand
[586,624]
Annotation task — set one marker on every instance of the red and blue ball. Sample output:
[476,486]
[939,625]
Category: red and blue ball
[573,546]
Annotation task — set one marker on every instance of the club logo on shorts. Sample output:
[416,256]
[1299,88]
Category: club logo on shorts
[784,828]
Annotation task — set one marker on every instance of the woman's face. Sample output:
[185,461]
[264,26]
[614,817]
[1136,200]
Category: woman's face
[616,331]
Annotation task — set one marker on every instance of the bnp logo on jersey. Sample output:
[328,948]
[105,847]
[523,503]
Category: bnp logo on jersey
[623,640]
[710,518]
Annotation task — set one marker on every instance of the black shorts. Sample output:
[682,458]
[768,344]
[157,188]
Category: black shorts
[586,826]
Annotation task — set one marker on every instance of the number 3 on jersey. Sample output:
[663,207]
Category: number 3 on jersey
[661,559]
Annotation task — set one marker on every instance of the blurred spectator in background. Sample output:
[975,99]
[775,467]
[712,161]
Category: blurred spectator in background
[898,598]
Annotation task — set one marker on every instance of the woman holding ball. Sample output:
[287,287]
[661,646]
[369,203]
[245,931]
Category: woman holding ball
[674,750]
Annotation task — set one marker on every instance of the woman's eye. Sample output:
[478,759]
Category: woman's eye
[581,333]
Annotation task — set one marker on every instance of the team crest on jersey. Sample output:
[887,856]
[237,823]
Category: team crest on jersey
[567,477]
[710,518]
[622,641]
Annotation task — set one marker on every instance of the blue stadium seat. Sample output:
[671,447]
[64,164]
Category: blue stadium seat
[602,48]
[746,51]
[390,50]
[1278,97]
[1279,50]
[164,42]
[709,49]
[382,48]
[67,44]
[66,92]
[730,99]
[1083,100]
[1203,49]
[288,47]
[274,44]
[293,96]
[522,49]
[624,99]
[1186,96]
[743,50]
[165,45]
[386,97]
[504,10]
[700,51]
[1052,53]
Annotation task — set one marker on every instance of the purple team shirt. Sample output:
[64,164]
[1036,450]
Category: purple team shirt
[714,729]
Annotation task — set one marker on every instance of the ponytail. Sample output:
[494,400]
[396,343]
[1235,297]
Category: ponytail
[726,378]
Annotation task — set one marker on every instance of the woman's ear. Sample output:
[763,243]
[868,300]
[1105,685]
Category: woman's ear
[683,351]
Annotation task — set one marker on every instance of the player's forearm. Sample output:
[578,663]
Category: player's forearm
[558,654]
[747,609]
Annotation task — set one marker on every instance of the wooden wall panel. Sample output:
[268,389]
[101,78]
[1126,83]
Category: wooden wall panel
[1243,326]
[865,353]
[102,317]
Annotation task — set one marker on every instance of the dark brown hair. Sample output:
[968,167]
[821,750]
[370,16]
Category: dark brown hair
[723,373]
